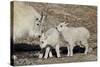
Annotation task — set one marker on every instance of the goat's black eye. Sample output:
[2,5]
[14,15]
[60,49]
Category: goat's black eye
[37,18]
[60,25]
[42,42]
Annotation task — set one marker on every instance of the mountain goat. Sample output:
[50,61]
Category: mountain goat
[73,35]
[27,21]
[50,38]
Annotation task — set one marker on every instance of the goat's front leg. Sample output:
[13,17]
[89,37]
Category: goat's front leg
[47,52]
[71,49]
[58,50]
[50,54]
[41,53]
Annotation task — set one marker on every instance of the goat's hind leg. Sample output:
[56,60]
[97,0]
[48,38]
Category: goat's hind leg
[85,43]
[68,48]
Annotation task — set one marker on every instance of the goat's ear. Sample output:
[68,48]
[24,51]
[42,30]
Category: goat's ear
[67,24]
[41,17]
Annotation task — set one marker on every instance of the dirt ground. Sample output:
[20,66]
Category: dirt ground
[76,15]
[31,58]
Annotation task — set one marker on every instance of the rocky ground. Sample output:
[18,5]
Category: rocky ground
[76,15]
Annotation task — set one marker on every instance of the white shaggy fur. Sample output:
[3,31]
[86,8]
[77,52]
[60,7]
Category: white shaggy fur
[74,35]
[25,21]
[51,37]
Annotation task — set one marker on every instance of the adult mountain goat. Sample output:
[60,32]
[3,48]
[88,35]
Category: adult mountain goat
[73,35]
[50,39]
[27,21]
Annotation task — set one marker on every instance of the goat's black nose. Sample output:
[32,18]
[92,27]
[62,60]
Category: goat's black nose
[39,36]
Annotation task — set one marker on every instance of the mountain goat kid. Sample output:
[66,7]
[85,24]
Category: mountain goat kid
[73,36]
[50,39]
